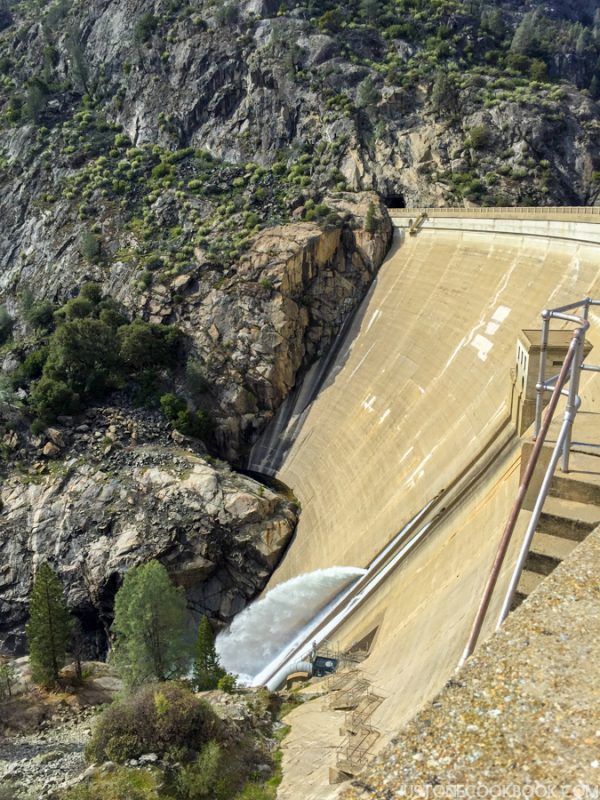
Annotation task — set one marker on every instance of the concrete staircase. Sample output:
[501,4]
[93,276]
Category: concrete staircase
[570,513]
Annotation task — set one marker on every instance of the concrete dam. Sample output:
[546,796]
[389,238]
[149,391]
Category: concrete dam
[411,425]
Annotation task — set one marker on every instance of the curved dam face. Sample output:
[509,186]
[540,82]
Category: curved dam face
[421,382]
[416,395]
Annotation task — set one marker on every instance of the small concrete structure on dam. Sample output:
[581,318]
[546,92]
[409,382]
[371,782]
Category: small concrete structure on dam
[421,391]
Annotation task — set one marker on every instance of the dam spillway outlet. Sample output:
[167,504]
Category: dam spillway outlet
[271,625]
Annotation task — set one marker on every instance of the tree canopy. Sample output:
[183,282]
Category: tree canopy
[150,626]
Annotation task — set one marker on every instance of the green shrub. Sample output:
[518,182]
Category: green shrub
[538,70]
[49,398]
[89,246]
[145,28]
[9,790]
[37,426]
[32,367]
[77,308]
[200,779]
[195,378]
[6,325]
[40,315]
[371,221]
[146,279]
[171,405]
[143,344]
[228,683]
[367,94]
[84,354]
[161,170]
[111,315]
[480,137]
[197,424]
[155,719]
[226,14]
[91,291]
[121,784]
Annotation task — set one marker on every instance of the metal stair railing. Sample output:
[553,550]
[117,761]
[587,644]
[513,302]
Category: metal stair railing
[349,697]
[364,711]
[337,680]
[569,374]
[355,749]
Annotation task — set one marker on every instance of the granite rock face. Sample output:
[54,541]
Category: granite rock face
[258,331]
[238,86]
[105,502]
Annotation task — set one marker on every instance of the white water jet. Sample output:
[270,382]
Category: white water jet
[263,630]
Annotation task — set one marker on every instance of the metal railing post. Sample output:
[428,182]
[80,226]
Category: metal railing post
[535,517]
[573,397]
[539,400]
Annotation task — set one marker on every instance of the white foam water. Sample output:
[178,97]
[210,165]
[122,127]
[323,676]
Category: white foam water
[270,625]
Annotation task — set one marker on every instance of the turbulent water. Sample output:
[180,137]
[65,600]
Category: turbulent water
[268,626]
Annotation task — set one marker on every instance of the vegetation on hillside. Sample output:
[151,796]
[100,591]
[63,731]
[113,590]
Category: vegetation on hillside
[465,34]
[87,348]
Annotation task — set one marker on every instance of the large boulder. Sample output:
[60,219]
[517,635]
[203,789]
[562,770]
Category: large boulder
[220,534]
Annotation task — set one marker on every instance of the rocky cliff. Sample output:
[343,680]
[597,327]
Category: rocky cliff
[279,310]
[117,491]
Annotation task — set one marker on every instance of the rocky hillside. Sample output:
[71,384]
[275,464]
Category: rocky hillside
[371,94]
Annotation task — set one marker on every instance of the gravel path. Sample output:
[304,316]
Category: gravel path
[37,763]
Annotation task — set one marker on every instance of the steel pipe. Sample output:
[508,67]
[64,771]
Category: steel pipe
[573,401]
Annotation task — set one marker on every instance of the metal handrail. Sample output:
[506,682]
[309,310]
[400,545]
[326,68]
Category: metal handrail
[570,373]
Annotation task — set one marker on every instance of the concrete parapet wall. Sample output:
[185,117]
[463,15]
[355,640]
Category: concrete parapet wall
[568,226]
[582,213]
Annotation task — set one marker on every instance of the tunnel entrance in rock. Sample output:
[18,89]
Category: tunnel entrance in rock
[394,200]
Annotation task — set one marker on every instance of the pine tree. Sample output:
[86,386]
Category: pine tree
[150,626]
[525,37]
[8,678]
[49,627]
[444,93]
[370,219]
[492,21]
[206,669]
